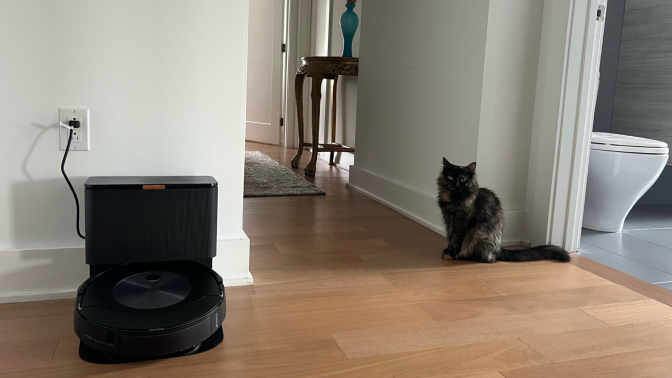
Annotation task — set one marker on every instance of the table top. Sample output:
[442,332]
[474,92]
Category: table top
[329,60]
[328,66]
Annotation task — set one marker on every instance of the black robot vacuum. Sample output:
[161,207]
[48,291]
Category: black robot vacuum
[152,293]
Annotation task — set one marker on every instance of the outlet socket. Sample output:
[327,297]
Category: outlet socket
[81,136]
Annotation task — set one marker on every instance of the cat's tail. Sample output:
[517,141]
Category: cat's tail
[542,252]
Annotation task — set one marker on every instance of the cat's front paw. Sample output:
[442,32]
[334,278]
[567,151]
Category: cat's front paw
[449,253]
[446,254]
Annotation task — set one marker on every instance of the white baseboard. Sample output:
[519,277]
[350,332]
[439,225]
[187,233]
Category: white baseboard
[419,206]
[241,281]
[34,297]
[44,274]
[233,261]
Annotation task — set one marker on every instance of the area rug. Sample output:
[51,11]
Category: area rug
[265,177]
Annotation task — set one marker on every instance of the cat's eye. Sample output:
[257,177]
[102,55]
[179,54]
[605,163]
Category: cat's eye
[450,178]
[463,179]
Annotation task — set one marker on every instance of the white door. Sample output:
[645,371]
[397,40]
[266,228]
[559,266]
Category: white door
[264,71]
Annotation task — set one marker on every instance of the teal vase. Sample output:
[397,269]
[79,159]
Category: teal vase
[349,23]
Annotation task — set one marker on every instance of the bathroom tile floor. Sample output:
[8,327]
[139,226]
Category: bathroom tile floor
[643,249]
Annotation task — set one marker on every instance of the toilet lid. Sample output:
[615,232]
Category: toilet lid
[627,143]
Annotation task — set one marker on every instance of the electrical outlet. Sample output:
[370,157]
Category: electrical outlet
[80,136]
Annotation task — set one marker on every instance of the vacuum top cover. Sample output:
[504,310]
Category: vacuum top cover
[138,181]
[145,296]
[143,219]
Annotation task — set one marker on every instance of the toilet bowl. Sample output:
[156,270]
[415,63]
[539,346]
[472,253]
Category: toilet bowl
[621,169]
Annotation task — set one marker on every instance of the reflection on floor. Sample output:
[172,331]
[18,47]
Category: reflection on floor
[643,249]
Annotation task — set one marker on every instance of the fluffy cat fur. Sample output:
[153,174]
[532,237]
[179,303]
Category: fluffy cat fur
[474,221]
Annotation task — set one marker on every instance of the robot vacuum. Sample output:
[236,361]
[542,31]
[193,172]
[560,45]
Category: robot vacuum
[152,292]
[152,310]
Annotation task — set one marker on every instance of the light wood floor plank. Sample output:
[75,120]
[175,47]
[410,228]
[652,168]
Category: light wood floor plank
[445,361]
[254,217]
[328,246]
[321,284]
[26,354]
[67,352]
[425,335]
[499,306]
[472,374]
[293,239]
[312,229]
[280,260]
[318,271]
[36,309]
[252,224]
[542,283]
[263,250]
[15,330]
[265,326]
[471,271]
[472,361]
[630,312]
[600,342]
[270,298]
[653,363]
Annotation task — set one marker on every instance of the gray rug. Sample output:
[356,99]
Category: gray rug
[265,177]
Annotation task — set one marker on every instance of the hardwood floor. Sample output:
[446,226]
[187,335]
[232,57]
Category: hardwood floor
[345,287]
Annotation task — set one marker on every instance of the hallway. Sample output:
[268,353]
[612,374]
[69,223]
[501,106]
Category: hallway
[347,287]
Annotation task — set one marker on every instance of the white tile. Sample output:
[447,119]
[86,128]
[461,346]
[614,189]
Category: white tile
[661,237]
[625,265]
[634,249]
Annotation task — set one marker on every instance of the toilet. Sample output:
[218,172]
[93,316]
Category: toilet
[621,169]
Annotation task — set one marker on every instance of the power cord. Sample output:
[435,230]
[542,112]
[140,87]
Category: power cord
[72,125]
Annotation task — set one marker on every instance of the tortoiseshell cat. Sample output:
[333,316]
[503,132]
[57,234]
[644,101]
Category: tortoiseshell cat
[475,220]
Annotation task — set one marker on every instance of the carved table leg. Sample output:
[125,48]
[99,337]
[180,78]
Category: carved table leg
[298,91]
[316,96]
[333,120]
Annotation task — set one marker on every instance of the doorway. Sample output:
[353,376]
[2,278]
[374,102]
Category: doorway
[633,103]
[265,61]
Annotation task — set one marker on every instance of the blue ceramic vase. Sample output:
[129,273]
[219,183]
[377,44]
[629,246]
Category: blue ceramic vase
[349,23]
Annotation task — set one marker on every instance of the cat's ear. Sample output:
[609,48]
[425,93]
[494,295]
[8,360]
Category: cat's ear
[471,167]
[446,164]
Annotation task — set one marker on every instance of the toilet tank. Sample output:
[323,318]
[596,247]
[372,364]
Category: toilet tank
[144,219]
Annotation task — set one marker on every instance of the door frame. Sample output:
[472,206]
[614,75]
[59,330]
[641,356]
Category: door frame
[297,36]
[278,75]
[563,119]
[586,116]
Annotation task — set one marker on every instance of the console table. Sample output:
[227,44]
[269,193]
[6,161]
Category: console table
[320,68]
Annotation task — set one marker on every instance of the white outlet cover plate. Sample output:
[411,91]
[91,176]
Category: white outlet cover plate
[81,114]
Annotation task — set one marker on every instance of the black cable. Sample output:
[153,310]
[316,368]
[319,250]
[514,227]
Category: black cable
[65,156]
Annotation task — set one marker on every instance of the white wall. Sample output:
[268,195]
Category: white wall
[545,123]
[346,114]
[164,81]
[507,105]
[319,46]
[321,22]
[444,78]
